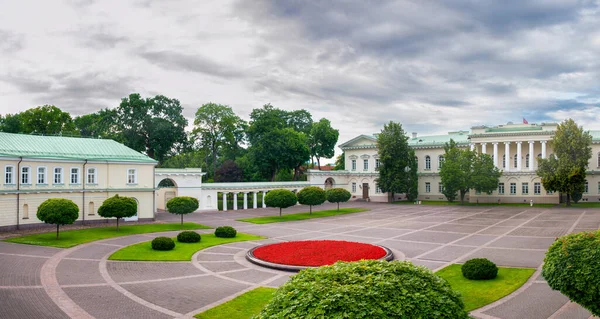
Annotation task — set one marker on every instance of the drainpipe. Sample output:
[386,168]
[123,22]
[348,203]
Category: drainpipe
[84,176]
[18,176]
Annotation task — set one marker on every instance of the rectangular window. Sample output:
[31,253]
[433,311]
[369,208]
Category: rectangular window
[354,187]
[25,175]
[427,187]
[353,165]
[41,175]
[598,187]
[378,190]
[500,188]
[525,188]
[537,188]
[8,175]
[366,165]
[58,175]
[513,188]
[74,175]
[377,163]
[91,176]
[132,176]
[586,188]
[440,188]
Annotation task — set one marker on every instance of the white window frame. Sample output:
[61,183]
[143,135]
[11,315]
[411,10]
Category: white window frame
[94,176]
[353,187]
[440,188]
[500,188]
[525,188]
[440,161]
[78,175]
[537,188]
[427,163]
[513,188]
[353,164]
[62,176]
[378,190]
[377,163]
[365,165]
[586,187]
[12,175]
[44,175]
[21,175]
[427,187]
[504,161]
[527,161]
[135,176]
[515,160]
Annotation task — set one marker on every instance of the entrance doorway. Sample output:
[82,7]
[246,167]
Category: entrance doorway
[365,188]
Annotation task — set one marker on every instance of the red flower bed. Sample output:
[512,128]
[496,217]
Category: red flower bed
[317,252]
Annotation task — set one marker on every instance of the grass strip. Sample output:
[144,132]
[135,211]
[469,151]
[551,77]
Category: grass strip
[301,216]
[241,307]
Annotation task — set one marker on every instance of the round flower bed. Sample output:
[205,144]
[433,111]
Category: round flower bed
[297,255]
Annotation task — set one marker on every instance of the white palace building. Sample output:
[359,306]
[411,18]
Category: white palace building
[513,147]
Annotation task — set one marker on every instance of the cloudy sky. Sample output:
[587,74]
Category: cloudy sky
[434,66]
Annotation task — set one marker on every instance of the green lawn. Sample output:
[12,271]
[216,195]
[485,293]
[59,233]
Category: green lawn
[181,252]
[70,238]
[446,203]
[241,307]
[478,293]
[583,205]
[301,216]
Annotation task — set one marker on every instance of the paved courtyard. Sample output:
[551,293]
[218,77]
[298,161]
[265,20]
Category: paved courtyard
[42,282]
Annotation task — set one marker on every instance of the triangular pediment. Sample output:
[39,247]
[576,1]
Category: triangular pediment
[359,141]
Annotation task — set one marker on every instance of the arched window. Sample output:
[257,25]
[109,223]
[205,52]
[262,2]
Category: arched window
[440,161]
[527,160]
[504,160]
[515,161]
[427,162]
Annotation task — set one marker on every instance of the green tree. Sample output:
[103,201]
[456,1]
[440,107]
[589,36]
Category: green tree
[155,125]
[182,205]
[99,124]
[464,169]
[11,123]
[229,172]
[340,162]
[565,171]
[311,195]
[398,167]
[196,158]
[322,140]
[338,195]
[58,211]
[47,120]
[219,129]
[281,198]
[118,207]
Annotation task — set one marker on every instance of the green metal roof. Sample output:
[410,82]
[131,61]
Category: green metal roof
[73,148]
[595,135]
[513,129]
[458,137]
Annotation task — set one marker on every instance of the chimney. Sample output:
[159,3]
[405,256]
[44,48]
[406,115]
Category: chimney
[414,134]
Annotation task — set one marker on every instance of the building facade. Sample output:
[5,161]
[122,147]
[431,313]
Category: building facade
[86,171]
[514,148]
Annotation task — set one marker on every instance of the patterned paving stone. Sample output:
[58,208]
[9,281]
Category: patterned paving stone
[204,256]
[106,302]
[244,245]
[434,219]
[76,272]
[523,242]
[510,257]
[279,281]
[223,250]
[302,236]
[20,249]
[379,232]
[251,275]
[432,237]
[476,240]
[222,266]
[306,226]
[477,221]
[343,229]
[187,294]
[410,225]
[496,230]
[511,222]
[432,265]
[549,223]
[129,240]
[93,251]
[539,232]
[20,271]
[277,232]
[448,253]
[574,311]
[410,249]
[28,303]
[536,302]
[345,237]
[458,228]
[125,271]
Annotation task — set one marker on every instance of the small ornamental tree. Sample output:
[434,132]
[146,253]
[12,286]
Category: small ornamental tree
[58,211]
[118,207]
[311,195]
[281,198]
[338,195]
[182,205]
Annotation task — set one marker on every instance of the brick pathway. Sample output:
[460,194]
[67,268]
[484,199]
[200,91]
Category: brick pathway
[42,282]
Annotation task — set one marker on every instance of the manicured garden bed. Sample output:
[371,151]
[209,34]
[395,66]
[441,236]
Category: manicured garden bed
[182,251]
[241,307]
[70,238]
[302,216]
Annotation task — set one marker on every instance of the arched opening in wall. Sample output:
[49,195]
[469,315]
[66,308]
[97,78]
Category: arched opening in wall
[167,183]
[25,211]
[135,217]
[329,183]
[208,201]
[91,209]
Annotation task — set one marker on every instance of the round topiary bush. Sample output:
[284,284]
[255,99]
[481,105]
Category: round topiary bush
[365,289]
[163,243]
[225,232]
[311,195]
[338,195]
[188,237]
[572,266]
[479,269]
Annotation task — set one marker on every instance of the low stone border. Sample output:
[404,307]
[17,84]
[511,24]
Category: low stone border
[389,256]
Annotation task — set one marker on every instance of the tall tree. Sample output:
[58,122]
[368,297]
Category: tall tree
[398,168]
[340,162]
[47,120]
[220,130]
[565,171]
[229,172]
[464,169]
[11,123]
[155,125]
[323,139]
[99,124]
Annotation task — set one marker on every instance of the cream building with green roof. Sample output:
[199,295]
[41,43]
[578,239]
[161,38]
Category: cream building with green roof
[513,147]
[84,170]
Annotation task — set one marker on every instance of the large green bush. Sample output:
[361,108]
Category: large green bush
[182,205]
[311,195]
[479,269]
[225,232]
[163,243]
[365,289]
[338,195]
[58,211]
[281,198]
[188,236]
[572,266]
[118,207]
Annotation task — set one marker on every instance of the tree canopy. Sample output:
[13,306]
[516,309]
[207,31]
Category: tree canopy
[182,205]
[322,140]
[118,207]
[311,195]
[58,211]
[229,172]
[280,198]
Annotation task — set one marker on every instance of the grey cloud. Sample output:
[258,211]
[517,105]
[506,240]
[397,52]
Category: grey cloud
[27,84]
[172,60]
[10,42]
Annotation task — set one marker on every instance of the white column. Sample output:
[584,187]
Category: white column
[519,156]
[495,154]
[264,194]
[483,148]
[245,200]
[472,145]
[255,200]
[235,201]
[531,155]
[224,201]
[507,156]
[543,149]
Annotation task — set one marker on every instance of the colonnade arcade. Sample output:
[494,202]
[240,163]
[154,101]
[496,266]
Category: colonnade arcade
[245,196]
[510,155]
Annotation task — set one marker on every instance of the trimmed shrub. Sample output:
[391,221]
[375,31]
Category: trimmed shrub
[479,269]
[311,195]
[281,198]
[163,243]
[118,207]
[225,232]
[365,289]
[572,266]
[58,211]
[182,205]
[338,195]
[188,237]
